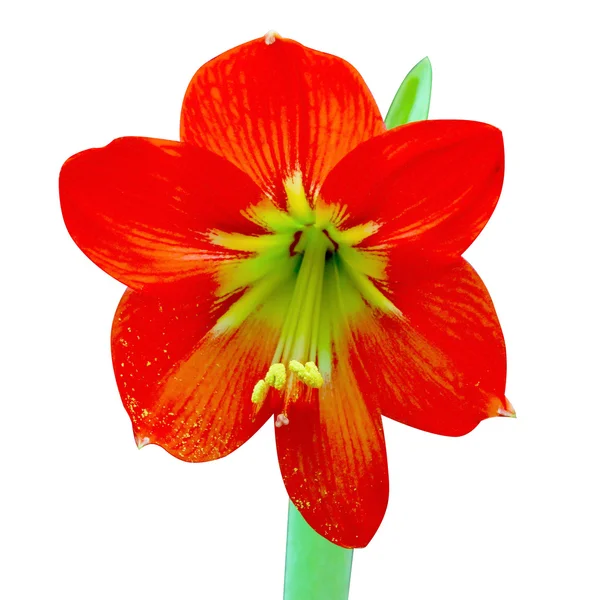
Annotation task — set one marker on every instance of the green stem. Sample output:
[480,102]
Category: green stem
[315,569]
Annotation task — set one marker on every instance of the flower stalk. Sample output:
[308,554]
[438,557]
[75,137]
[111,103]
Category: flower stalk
[315,568]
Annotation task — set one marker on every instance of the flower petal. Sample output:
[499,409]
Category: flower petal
[333,461]
[142,209]
[429,185]
[440,365]
[274,107]
[185,386]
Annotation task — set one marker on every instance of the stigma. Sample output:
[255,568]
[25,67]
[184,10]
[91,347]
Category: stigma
[281,420]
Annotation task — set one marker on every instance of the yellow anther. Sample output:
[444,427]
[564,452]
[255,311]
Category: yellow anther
[308,373]
[259,393]
[276,376]
[295,366]
[312,376]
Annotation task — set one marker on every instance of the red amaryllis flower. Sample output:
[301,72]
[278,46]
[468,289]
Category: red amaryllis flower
[291,258]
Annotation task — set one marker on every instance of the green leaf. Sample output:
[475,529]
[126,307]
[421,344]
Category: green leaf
[411,102]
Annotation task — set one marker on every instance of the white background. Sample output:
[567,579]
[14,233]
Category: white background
[509,511]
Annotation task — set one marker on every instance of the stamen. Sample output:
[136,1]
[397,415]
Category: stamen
[259,393]
[295,366]
[298,347]
[281,419]
[276,376]
[308,373]
[301,326]
[312,375]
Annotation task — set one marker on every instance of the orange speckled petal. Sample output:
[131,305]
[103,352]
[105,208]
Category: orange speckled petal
[186,388]
[333,460]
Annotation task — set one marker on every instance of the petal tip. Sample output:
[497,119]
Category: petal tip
[500,406]
[141,442]
[271,37]
[507,410]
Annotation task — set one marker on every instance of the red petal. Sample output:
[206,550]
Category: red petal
[429,185]
[275,108]
[333,461]
[441,365]
[141,208]
[185,387]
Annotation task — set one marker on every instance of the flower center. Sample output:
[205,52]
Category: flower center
[306,275]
